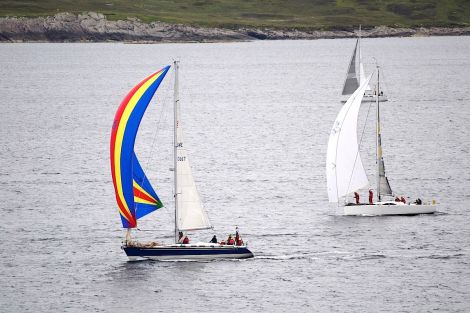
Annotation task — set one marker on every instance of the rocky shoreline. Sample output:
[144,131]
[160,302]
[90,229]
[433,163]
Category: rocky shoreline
[94,27]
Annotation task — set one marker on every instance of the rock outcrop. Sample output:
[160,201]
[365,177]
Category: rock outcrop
[66,27]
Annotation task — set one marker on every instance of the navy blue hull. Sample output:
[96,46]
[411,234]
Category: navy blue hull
[187,252]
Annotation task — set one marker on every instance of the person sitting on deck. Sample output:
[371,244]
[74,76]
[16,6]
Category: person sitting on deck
[403,199]
[185,240]
[371,196]
[214,239]
[397,199]
[356,196]
[230,240]
[180,237]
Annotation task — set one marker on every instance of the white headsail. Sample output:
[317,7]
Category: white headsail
[190,213]
[344,170]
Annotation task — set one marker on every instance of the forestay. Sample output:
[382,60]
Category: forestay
[344,170]
[190,214]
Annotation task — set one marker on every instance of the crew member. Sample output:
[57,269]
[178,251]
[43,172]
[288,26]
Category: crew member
[180,237]
[214,239]
[238,239]
[237,236]
[371,196]
[356,196]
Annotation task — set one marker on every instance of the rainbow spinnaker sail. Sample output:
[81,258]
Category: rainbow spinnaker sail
[134,194]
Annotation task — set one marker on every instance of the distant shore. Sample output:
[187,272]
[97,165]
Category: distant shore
[94,27]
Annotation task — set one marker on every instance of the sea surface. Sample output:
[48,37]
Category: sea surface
[256,116]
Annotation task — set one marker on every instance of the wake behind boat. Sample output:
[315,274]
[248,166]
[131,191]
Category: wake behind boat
[136,197]
[344,169]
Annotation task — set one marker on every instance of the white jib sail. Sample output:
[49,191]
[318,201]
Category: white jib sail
[191,213]
[344,170]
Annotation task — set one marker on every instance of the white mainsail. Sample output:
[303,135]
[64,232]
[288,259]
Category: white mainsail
[351,82]
[190,213]
[344,170]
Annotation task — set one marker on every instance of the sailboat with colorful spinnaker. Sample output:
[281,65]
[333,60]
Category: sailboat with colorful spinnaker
[135,195]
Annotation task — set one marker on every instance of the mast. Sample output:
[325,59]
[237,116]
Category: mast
[189,211]
[378,143]
[128,239]
[175,145]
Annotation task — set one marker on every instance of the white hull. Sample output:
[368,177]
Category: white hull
[367,98]
[389,209]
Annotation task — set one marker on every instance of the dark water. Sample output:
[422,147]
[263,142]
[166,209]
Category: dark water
[257,118]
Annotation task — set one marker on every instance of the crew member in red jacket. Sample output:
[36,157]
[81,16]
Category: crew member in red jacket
[238,239]
[371,196]
[356,196]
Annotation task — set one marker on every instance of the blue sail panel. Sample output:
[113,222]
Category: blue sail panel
[145,197]
[125,127]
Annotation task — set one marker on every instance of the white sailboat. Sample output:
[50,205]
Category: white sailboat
[355,76]
[136,197]
[345,171]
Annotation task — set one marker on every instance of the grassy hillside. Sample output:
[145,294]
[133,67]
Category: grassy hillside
[311,14]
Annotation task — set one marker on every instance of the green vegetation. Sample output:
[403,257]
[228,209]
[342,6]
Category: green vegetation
[302,14]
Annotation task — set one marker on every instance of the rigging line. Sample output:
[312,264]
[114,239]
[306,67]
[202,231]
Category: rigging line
[156,133]
[359,145]
[201,202]
[383,84]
